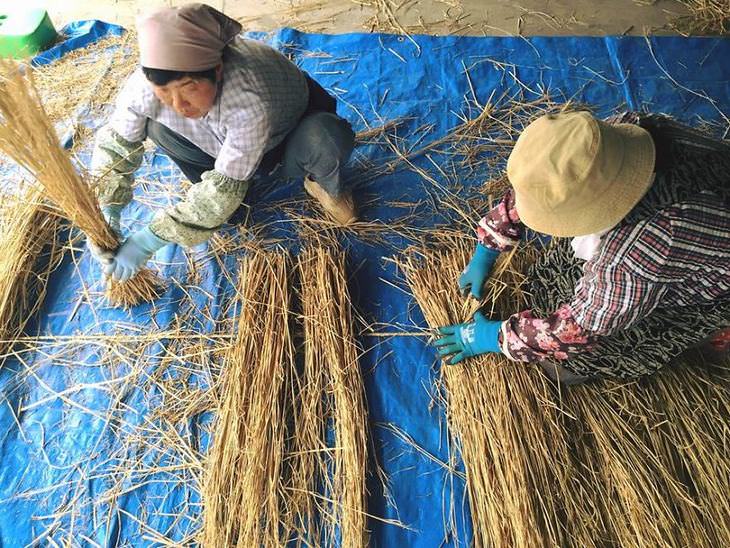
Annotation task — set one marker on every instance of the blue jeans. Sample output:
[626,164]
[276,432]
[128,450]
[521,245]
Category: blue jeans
[318,146]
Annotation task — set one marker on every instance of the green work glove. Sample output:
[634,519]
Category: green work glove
[113,215]
[477,271]
[464,340]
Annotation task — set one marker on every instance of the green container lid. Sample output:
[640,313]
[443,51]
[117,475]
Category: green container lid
[24,32]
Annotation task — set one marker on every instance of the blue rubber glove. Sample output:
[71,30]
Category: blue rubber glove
[133,254]
[477,271]
[112,215]
[465,340]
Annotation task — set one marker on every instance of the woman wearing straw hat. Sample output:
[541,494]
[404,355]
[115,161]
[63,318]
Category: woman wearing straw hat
[646,202]
[224,109]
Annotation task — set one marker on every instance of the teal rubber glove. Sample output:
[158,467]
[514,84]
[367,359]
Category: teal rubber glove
[464,340]
[112,215]
[133,254]
[477,271]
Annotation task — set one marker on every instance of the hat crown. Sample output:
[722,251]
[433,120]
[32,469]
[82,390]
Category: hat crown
[558,158]
[568,170]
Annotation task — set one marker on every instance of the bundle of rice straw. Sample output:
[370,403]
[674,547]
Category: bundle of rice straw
[661,463]
[330,393]
[243,491]
[643,463]
[31,251]
[28,137]
[521,479]
[309,455]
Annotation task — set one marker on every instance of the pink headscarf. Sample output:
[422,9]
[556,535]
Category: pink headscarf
[190,38]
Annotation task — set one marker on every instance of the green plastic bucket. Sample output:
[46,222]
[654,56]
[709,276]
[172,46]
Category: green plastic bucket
[24,32]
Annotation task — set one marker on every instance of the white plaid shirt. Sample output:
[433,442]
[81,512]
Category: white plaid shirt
[261,98]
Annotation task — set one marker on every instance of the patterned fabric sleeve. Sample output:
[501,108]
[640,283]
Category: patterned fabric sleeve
[618,287]
[524,337]
[501,229]
[113,163]
[207,205]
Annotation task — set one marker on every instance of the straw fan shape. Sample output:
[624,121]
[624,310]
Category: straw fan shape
[28,137]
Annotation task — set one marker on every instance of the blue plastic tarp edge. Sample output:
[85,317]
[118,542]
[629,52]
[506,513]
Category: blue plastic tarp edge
[78,35]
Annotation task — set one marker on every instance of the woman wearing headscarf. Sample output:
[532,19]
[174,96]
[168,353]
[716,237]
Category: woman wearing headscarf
[223,108]
[639,269]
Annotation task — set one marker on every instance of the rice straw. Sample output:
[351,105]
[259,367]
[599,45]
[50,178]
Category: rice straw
[705,17]
[27,136]
[31,251]
[243,490]
[518,464]
[660,456]
[331,370]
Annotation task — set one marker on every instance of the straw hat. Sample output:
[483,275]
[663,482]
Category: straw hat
[574,175]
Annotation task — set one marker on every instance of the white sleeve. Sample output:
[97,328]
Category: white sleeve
[135,103]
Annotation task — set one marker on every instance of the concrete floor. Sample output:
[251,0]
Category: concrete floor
[471,17]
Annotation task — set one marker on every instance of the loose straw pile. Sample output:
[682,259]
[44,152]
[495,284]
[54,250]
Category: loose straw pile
[94,73]
[705,17]
[27,136]
[331,392]
[29,240]
[656,454]
[517,459]
[243,491]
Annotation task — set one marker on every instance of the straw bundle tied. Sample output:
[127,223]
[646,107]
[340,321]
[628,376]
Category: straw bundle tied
[28,137]
[517,459]
[331,392]
[31,251]
[243,490]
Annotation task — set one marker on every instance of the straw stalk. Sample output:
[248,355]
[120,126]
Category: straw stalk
[28,137]
[331,394]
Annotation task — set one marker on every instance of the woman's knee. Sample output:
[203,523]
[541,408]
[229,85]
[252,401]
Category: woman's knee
[320,143]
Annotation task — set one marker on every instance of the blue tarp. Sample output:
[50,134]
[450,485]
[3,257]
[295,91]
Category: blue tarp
[76,35]
[62,450]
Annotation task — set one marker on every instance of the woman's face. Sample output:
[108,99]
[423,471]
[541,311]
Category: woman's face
[189,97]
